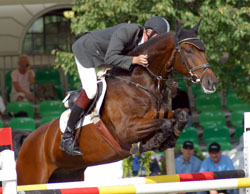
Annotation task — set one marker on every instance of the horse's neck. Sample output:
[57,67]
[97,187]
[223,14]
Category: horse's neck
[160,58]
[142,76]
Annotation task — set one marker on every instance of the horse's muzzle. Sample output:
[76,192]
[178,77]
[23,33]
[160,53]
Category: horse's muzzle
[208,84]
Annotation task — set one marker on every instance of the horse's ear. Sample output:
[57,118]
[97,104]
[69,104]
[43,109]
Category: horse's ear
[177,28]
[196,27]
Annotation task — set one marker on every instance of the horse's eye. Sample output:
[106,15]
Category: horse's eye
[189,50]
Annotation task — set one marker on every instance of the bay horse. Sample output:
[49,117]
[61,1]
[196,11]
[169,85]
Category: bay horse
[132,112]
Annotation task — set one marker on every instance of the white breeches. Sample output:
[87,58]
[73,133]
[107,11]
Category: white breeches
[88,79]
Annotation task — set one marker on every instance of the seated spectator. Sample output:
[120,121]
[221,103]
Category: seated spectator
[22,78]
[187,162]
[180,100]
[217,162]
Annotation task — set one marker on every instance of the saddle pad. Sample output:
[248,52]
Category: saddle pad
[88,119]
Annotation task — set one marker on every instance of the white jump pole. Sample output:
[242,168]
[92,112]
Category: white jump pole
[8,172]
[246,136]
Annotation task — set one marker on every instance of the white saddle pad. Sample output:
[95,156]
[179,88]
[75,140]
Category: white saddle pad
[88,118]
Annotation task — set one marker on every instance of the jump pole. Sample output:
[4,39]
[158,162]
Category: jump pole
[155,188]
[139,180]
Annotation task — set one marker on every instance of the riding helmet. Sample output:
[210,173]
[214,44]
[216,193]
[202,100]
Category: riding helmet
[158,24]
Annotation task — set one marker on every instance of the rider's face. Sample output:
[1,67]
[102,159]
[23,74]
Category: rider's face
[215,156]
[147,34]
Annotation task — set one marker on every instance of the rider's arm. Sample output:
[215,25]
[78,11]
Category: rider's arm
[122,41]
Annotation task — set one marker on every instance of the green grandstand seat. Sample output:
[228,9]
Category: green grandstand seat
[59,91]
[207,119]
[236,118]
[182,85]
[218,134]
[8,84]
[48,76]
[188,128]
[73,82]
[238,132]
[48,118]
[191,135]
[22,123]
[18,106]
[208,102]
[234,103]
[8,81]
[1,124]
[196,89]
[48,107]
[188,134]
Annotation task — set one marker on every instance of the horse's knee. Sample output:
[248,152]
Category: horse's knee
[166,125]
[181,119]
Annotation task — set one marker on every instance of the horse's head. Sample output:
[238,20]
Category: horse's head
[191,59]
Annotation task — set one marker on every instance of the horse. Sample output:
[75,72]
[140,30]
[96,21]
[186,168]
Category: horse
[133,112]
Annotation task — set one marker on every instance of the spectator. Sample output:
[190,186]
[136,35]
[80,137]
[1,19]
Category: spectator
[22,78]
[180,100]
[217,162]
[187,162]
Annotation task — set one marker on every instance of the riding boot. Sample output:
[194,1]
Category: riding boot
[67,139]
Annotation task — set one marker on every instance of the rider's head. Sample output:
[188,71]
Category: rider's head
[158,25]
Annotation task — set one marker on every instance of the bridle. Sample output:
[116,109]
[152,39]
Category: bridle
[194,77]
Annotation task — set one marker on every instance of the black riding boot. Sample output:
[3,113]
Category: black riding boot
[67,139]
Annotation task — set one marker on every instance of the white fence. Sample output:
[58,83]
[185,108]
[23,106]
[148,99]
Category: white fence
[8,172]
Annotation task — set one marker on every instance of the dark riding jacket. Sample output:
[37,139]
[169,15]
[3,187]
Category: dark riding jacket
[109,46]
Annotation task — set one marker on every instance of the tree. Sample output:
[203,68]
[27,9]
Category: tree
[225,30]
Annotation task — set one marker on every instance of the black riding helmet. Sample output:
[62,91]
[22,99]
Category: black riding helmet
[158,24]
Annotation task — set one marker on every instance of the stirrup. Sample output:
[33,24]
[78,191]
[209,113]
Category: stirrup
[69,146]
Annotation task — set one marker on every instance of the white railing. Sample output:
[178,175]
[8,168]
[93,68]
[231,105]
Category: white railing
[8,172]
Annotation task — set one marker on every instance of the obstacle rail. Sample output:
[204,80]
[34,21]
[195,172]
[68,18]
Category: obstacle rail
[154,188]
[139,180]
[164,184]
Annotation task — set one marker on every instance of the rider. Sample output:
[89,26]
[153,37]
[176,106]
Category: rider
[109,46]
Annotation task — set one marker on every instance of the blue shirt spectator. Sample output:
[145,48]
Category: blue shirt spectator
[187,162]
[217,162]
[225,163]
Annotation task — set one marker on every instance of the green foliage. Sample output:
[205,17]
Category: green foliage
[225,30]
[66,61]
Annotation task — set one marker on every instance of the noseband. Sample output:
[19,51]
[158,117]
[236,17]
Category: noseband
[194,77]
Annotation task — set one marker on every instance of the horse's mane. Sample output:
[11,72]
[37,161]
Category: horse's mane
[150,45]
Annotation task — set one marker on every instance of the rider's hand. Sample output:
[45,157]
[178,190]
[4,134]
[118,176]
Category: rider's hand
[140,60]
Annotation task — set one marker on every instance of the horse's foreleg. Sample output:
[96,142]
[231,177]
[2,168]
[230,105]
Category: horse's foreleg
[144,129]
[181,118]
[155,142]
